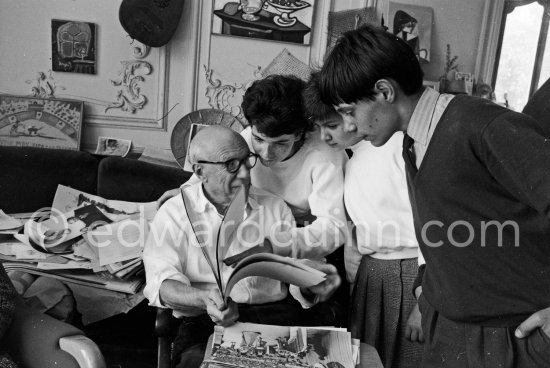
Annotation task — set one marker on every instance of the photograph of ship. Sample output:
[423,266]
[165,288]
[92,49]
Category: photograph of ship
[253,345]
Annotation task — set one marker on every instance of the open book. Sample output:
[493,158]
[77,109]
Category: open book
[285,269]
[255,345]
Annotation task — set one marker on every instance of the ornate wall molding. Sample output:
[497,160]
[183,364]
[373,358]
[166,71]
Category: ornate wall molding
[227,97]
[129,98]
[138,69]
[44,86]
[138,50]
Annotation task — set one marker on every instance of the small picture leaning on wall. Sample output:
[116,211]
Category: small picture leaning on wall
[413,24]
[275,20]
[40,122]
[73,46]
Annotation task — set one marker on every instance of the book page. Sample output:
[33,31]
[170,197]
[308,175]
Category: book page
[284,269]
[8,222]
[119,241]
[56,233]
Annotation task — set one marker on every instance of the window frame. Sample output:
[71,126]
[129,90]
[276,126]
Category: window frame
[509,7]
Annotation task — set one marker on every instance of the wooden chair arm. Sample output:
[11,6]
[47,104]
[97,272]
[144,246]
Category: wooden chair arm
[163,322]
[84,350]
[33,340]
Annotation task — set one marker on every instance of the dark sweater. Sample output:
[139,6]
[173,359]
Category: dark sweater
[485,163]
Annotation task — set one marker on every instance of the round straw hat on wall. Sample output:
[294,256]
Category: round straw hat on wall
[187,127]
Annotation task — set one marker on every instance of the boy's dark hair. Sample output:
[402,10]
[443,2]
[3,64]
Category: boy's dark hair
[363,56]
[315,108]
[274,106]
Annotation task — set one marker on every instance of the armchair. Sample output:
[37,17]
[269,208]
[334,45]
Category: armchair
[538,106]
[36,340]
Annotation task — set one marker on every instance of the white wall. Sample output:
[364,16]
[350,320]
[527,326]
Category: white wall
[178,74]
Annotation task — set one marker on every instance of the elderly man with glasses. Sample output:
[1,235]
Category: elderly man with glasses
[178,270]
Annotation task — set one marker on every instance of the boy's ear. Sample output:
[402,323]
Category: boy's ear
[387,89]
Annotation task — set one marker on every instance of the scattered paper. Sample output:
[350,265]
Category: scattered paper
[67,199]
[119,241]
[9,223]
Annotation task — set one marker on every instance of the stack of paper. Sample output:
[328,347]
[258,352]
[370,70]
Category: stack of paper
[85,239]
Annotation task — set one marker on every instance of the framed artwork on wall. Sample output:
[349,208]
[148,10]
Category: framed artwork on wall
[73,46]
[40,122]
[413,24]
[275,20]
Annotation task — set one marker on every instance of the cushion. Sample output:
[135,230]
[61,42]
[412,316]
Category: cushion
[30,176]
[131,180]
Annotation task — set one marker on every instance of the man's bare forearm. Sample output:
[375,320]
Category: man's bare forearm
[175,295]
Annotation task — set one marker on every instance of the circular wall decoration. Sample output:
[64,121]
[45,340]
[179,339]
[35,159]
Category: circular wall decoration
[184,130]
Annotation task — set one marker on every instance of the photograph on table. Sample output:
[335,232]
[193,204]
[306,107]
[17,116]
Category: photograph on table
[275,20]
[413,24]
[40,122]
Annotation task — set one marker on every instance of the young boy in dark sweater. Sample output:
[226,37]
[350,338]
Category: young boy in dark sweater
[479,185]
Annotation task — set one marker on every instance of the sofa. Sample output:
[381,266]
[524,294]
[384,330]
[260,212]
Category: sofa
[30,177]
[28,181]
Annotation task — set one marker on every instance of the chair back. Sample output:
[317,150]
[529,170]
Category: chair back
[538,106]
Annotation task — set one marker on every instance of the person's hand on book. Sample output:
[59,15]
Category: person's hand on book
[323,291]
[221,313]
[166,196]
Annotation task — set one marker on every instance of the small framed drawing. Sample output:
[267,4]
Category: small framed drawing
[431,84]
[413,24]
[73,46]
[276,20]
[40,122]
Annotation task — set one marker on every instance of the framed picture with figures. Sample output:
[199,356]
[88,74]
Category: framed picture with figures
[40,122]
[274,20]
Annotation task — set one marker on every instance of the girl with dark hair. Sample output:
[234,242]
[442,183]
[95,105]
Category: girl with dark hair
[295,164]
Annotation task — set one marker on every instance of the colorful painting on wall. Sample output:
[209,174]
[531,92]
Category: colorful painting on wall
[275,20]
[73,46]
[413,24]
[40,122]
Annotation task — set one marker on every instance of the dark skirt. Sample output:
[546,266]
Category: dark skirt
[381,303]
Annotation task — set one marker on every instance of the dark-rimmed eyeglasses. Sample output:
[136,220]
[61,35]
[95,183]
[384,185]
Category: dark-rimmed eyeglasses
[234,164]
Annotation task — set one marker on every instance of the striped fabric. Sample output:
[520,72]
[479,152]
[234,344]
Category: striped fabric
[381,303]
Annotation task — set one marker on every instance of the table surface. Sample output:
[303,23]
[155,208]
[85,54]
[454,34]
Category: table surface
[369,355]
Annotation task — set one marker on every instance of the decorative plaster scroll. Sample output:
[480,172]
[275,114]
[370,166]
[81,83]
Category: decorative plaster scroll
[138,50]
[44,86]
[227,97]
[129,98]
